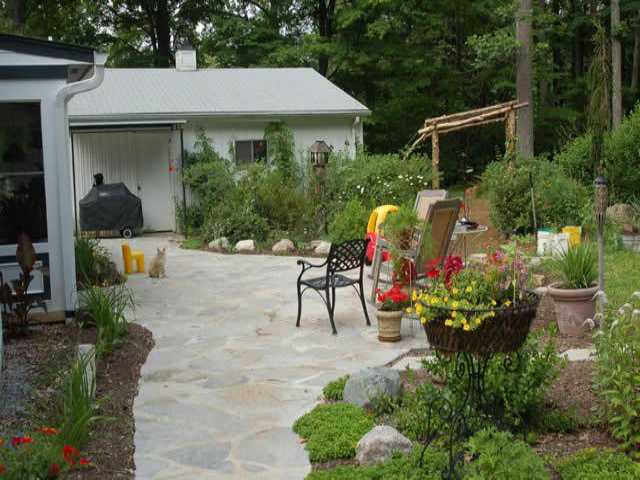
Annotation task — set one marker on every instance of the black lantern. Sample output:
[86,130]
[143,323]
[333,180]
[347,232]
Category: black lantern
[319,153]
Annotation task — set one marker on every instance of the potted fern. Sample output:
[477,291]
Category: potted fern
[573,294]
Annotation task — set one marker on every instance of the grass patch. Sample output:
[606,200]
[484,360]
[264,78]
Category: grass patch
[333,430]
[591,464]
[192,243]
[399,467]
[622,276]
[334,391]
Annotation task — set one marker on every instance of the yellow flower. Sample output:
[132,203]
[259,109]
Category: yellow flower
[466,327]
[493,302]
[453,314]
[419,308]
[448,322]
[507,303]
[414,296]
[423,320]
[454,305]
[445,299]
[468,289]
[454,291]
[409,310]
[492,314]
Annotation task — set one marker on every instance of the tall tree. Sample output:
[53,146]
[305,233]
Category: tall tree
[616,65]
[635,69]
[524,81]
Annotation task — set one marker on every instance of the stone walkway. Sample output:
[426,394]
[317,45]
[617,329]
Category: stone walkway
[230,372]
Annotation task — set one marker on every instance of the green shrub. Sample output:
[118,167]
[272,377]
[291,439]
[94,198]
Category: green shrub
[334,390]
[377,179]
[552,420]
[418,417]
[332,430]
[558,198]
[592,464]
[618,373]
[94,265]
[41,458]
[281,147]
[621,158]
[398,468]
[518,391]
[106,308]
[497,455]
[349,222]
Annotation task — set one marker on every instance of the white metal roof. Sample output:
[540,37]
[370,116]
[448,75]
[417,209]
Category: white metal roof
[152,93]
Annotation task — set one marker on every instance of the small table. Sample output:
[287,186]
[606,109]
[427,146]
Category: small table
[461,236]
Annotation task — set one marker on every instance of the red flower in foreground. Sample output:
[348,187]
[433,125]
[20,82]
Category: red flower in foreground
[394,295]
[16,441]
[85,461]
[70,454]
[54,471]
[48,431]
[3,470]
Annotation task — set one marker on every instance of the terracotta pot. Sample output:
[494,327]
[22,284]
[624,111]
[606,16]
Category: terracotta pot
[389,325]
[573,307]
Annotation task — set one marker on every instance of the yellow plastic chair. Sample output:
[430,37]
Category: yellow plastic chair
[128,256]
[378,216]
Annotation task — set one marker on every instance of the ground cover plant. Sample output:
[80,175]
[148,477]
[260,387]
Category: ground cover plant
[592,464]
[332,431]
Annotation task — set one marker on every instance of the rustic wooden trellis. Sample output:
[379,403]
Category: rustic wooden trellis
[434,127]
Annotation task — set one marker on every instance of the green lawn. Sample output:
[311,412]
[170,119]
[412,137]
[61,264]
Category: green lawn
[622,276]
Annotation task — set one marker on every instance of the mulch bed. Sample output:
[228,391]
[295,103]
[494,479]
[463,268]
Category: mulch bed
[30,385]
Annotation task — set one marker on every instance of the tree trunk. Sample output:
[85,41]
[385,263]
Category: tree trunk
[163,32]
[636,56]
[324,19]
[616,66]
[524,78]
[17,12]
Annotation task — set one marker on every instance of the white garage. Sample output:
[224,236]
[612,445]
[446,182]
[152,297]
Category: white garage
[145,159]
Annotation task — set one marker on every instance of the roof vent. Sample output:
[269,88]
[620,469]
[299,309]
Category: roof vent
[186,59]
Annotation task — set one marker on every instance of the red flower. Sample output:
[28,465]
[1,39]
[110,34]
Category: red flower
[54,471]
[48,431]
[394,295]
[16,441]
[70,454]
[85,461]
[3,470]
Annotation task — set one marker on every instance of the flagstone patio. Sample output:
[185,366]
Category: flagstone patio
[230,372]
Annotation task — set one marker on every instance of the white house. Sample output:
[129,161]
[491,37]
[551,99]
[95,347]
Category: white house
[136,126]
[37,79]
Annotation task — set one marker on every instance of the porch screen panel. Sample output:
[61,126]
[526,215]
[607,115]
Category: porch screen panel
[22,195]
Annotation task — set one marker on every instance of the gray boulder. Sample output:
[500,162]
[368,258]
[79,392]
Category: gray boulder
[380,443]
[245,246]
[322,248]
[283,246]
[369,383]
[219,244]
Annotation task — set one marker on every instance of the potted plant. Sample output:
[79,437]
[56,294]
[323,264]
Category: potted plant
[482,309]
[392,304]
[398,231]
[573,294]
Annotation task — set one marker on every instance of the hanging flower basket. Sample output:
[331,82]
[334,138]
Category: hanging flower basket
[504,332]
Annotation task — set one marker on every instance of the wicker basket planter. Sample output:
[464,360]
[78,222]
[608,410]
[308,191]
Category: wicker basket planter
[503,333]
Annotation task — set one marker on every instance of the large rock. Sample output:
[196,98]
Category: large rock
[283,246]
[219,244]
[322,248]
[621,213]
[246,246]
[369,383]
[380,443]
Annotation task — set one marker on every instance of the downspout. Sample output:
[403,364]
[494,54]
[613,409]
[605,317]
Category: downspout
[65,180]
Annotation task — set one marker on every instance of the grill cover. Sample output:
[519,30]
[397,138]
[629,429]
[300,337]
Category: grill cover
[110,207]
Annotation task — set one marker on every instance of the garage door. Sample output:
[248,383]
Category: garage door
[144,160]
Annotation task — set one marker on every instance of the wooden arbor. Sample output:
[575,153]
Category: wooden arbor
[434,127]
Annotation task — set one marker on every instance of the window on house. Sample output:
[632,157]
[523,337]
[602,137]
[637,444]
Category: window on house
[250,151]
[22,199]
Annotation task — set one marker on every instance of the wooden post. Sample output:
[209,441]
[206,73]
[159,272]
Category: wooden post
[510,131]
[435,158]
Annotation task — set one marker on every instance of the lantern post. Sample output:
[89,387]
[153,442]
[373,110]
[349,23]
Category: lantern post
[319,153]
[600,210]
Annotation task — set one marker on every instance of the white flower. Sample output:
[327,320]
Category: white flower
[589,323]
[636,294]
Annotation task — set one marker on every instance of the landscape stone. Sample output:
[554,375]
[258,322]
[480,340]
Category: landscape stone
[369,383]
[322,248]
[283,246]
[219,244]
[380,443]
[246,246]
